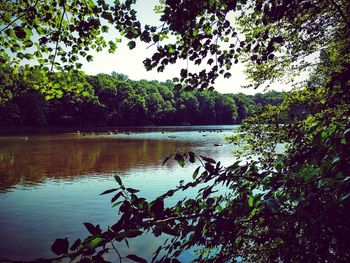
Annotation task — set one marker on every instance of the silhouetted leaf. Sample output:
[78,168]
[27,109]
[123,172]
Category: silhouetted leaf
[158,207]
[192,157]
[207,159]
[166,159]
[119,181]
[136,258]
[94,230]
[132,233]
[60,246]
[132,190]
[109,191]
[116,196]
[76,244]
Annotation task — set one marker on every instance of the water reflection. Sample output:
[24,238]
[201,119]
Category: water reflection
[34,160]
[64,174]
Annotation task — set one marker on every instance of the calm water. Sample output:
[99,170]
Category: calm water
[50,185]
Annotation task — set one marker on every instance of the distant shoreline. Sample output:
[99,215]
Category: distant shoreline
[27,130]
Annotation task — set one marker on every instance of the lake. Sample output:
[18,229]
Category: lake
[50,184]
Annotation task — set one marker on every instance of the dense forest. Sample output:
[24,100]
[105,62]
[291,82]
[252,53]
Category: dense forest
[115,100]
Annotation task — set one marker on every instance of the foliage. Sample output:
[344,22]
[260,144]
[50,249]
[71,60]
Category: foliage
[57,33]
[287,206]
[114,100]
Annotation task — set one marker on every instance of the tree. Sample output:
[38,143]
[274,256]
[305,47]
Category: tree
[285,206]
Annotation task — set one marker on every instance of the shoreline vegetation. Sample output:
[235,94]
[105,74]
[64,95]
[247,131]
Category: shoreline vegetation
[115,101]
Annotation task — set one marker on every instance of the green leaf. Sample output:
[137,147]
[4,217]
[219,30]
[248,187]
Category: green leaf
[250,201]
[89,58]
[171,50]
[180,159]
[28,56]
[227,75]
[196,172]
[105,29]
[324,136]
[95,242]
[20,55]
[132,44]
[155,38]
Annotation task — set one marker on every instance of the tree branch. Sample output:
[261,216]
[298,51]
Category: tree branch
[58,38]
[18,18]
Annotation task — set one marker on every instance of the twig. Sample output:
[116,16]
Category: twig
[16,19]
[116,250]
[58,38]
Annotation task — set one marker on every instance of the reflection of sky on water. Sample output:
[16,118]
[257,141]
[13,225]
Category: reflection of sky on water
[52,184]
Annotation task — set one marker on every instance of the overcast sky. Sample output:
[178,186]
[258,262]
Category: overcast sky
[129,62]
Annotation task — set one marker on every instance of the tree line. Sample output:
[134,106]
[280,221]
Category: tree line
[115,100]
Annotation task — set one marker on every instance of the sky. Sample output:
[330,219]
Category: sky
[130,62]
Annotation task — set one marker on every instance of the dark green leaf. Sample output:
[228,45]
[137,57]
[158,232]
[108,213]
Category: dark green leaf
[180,159]
[132,44]
[196,172]
[89,58]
